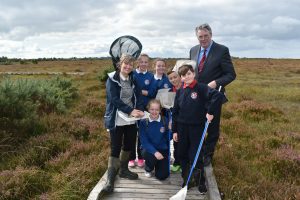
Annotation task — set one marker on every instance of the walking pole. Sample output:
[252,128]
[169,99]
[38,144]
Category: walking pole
[170,132]
[181,194]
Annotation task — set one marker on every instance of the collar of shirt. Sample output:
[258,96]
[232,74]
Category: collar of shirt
[139,71]
[157,77]
[157,120]
[207,49]
[174,89]
[123,77]
[192,85]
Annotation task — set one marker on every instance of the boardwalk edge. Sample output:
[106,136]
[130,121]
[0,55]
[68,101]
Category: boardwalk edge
[213,190]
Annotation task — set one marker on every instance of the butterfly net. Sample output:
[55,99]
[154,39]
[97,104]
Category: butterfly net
[125,45]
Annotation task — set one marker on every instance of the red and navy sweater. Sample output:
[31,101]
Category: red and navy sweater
[193,102]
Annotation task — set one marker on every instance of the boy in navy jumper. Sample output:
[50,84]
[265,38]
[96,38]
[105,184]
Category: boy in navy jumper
[194,104]
[145,81]
[154,136]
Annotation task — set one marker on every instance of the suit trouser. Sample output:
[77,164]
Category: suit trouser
[213,134]
[176,153]
[122,136]
[161,166]
[189,137]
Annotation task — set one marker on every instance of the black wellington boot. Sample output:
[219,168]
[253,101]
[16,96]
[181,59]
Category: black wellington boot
[202,186]
[184,174]
[196,177]
[124,171]
[113,166]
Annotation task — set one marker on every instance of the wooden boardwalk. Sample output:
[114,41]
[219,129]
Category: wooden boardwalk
[154,189]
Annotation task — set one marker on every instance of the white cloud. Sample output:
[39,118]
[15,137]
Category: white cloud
[65,28]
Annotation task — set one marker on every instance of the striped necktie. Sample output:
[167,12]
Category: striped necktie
[201,64]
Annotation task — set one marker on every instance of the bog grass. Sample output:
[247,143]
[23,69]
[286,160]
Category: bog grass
[257,157]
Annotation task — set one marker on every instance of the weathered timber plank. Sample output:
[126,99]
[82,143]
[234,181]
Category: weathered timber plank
[147,196]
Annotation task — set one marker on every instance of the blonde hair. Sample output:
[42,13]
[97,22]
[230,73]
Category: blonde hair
[126,58]
[143,55]
[154,101]
[157,60]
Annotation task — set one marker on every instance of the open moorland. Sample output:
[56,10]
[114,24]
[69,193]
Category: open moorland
[53,144]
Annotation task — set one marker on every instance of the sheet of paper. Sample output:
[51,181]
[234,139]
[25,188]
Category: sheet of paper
[131,119]
[166,98]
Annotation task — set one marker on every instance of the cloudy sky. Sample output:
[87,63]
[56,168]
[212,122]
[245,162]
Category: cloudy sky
[86,28]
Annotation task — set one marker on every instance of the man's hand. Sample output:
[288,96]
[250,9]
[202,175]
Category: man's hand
[212,84]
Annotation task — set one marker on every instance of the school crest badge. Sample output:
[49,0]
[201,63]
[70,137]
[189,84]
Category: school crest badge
[194,95]
[147,82]
[166,85]
[162,129]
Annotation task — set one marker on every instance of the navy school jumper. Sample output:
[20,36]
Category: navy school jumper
[145,81]
[154,137]
[189,116]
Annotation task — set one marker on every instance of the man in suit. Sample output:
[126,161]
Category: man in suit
[214,68]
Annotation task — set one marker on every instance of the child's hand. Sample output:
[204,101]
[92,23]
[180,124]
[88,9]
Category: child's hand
[158,156]
[175,137]
[209,117]
[144,92]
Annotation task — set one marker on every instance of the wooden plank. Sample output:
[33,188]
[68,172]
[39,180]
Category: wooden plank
[146,186]
[151,188]
[213,190]
[171,191]
[96,192]
[149,196]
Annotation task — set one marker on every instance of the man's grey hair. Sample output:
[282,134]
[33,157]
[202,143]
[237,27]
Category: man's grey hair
[203,27]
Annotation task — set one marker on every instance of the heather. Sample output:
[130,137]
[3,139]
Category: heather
[53,144]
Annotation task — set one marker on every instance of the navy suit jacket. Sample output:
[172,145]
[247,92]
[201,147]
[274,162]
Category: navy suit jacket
[217,66]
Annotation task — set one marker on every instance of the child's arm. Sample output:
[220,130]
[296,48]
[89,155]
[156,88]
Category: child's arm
[175,137]
[175,113]
[152,88]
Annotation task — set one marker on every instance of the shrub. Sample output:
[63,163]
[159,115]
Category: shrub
[23,100]
[42,148]
[255,111]
[17,109]
[104,75]
[23,183]
[23,62]
[55,95]
[94,107]
[34,62]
